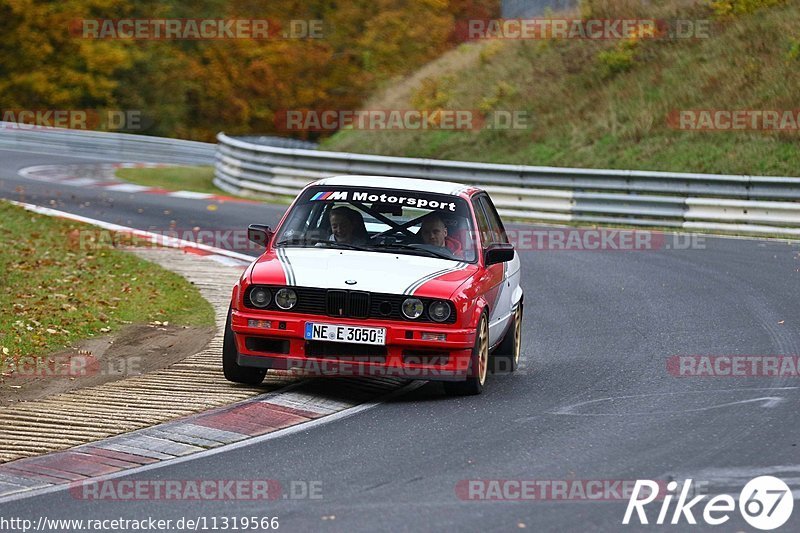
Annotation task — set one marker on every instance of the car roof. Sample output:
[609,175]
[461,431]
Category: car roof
[407,184]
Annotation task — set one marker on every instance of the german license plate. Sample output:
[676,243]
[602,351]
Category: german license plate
[341,333]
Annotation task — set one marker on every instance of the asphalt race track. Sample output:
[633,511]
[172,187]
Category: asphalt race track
[594,399]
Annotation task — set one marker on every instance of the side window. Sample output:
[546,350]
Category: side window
[496,225]
[484,229]
[298,223]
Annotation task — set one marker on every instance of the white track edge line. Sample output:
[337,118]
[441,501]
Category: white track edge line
[169,242]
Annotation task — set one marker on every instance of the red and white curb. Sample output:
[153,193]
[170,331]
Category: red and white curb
[103,176]
[296,407]
[220,255]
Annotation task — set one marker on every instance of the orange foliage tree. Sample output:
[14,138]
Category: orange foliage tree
[195,88]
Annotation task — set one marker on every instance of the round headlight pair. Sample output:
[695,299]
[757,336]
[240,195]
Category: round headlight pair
[413,308]
[284,298]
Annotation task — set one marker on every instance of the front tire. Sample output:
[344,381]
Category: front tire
[230,365]
[506,357]
[478,365]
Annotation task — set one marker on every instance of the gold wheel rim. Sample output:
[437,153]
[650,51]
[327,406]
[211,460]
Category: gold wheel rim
[517,333]
[483,347]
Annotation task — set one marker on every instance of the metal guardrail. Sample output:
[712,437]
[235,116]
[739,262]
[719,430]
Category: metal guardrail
[763,205]
[118,147]
[282,142]
[121,147]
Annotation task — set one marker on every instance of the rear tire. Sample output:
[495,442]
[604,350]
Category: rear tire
[506,356]
[230,365]
[478,365]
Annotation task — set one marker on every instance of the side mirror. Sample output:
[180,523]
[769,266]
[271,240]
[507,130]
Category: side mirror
[498,253]
[259,234]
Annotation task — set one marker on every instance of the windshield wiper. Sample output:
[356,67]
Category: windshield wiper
[293,240]
[418,248]
[325,242]
[339,244]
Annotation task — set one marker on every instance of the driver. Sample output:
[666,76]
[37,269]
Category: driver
[347,226]
[434,233]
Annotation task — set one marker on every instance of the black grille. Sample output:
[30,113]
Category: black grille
[337,303]
[359,305]
[349,304]
[310,301]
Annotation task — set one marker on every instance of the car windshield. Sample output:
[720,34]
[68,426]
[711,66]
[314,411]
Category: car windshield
[381,220]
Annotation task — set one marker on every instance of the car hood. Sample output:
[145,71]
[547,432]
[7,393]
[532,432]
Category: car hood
[371,271]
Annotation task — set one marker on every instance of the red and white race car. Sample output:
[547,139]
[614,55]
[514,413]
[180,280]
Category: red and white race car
[378,276]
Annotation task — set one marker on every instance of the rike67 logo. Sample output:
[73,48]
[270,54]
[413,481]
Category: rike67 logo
[765,503]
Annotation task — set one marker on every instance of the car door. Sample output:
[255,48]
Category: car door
[494,279]
[508,290]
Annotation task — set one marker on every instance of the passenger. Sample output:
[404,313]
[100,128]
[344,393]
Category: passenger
[347,226]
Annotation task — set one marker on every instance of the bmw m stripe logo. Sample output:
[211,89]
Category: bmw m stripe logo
[330,195]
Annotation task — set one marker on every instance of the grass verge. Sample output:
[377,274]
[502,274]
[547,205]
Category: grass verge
[55,291]
[196,179]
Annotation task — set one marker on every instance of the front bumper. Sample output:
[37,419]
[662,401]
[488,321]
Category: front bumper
[406,354]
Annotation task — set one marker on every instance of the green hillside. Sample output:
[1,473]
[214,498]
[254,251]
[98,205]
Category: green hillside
[605,103]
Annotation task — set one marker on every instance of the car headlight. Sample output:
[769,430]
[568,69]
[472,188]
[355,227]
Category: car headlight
[439,311]
[412,308]
[260,297]
[286,298]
